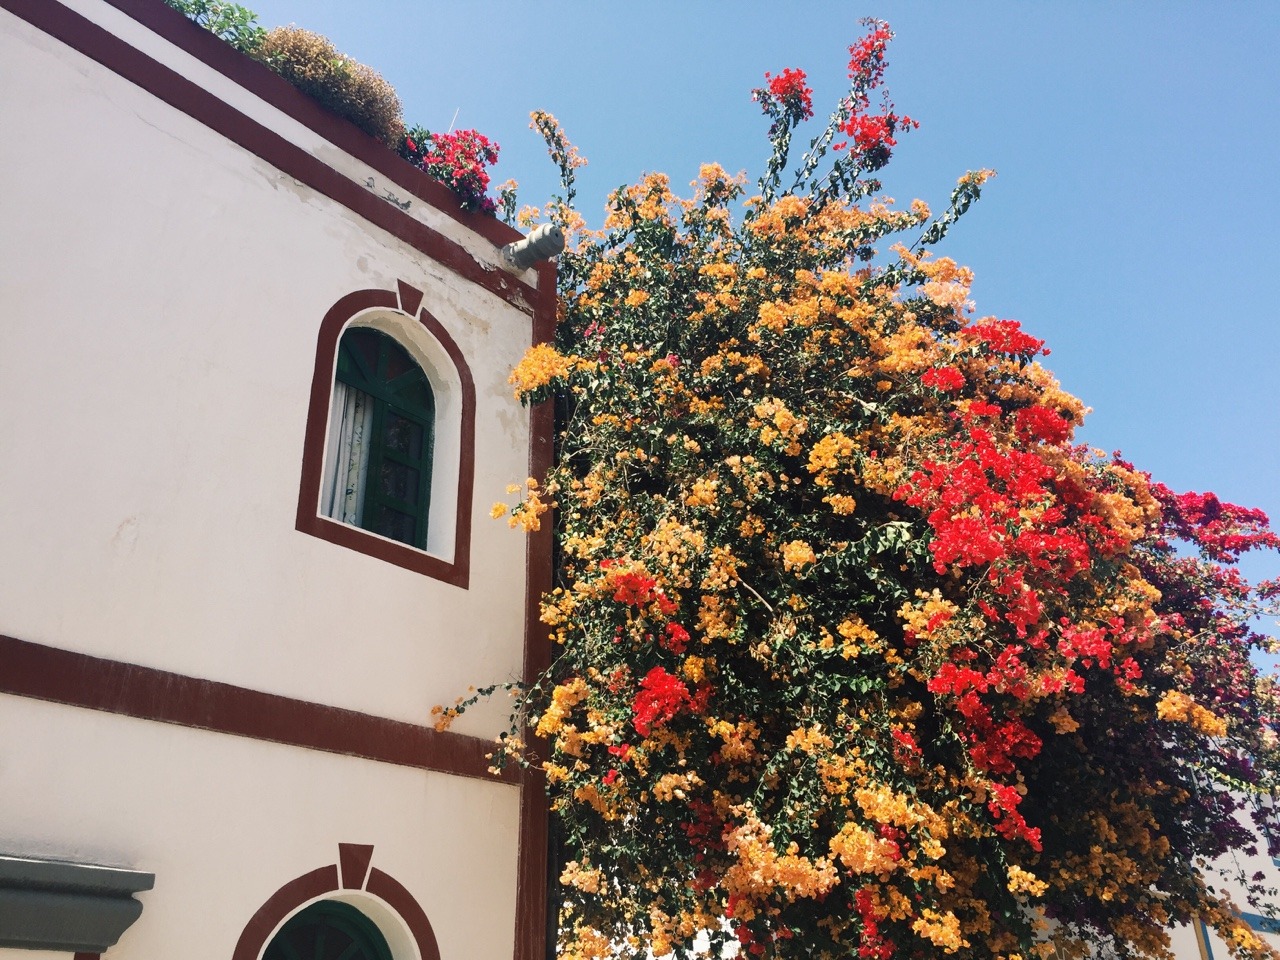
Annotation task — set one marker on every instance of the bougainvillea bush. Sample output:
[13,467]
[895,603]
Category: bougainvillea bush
[858,652]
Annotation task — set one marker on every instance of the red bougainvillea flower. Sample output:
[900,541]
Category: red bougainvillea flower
[874,136]
[786,100]
[1006,336]
[1222,530]
[660,697]
[675,638]
[867,132]
[460,160]
[944,379]
[866,56]
[1041,423]
[791,90]
[634,589]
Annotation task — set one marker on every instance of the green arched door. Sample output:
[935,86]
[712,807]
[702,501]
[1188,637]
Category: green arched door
[328,930]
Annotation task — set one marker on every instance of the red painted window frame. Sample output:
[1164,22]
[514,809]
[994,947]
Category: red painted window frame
[406,300]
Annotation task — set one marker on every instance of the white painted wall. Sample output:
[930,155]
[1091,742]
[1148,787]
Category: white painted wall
[223,822]
[188,66]
[162,291]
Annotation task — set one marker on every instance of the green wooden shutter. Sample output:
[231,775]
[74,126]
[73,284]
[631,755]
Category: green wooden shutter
[398,490]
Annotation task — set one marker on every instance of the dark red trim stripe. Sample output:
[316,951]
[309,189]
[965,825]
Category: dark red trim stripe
[353,863]
[531,892]
[77,679]
[161,19]
[182,94]
[410,298]
[308,520]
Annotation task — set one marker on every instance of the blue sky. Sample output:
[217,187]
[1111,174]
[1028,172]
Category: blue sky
[1134,224]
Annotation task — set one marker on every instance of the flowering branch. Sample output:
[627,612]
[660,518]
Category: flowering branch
[459,159]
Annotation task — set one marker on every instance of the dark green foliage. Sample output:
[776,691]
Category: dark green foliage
[235,24]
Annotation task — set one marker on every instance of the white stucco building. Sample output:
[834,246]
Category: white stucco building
[255,374]
[1234,874]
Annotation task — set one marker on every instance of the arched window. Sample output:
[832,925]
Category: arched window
[328,930]
[381,423]
[390,436]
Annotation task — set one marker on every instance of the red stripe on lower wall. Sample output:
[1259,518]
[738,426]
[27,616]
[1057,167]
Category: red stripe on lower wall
[77,679]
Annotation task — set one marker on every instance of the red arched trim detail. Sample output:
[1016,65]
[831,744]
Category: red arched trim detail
[393,893]
[281,903]
[317,883]
[354,859]
[309,520]
[410,298]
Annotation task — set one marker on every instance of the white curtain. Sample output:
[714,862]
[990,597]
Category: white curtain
[347,469]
